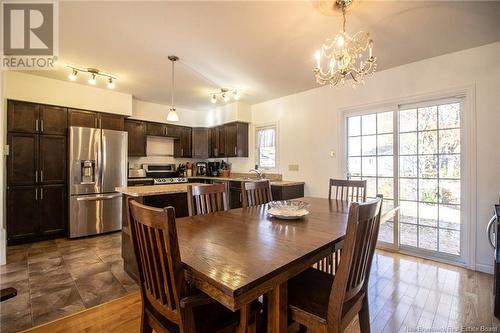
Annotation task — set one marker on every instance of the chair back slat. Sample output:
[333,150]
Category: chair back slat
[255,193]
[154,238]
[348,190]
[351,278]
[206,199]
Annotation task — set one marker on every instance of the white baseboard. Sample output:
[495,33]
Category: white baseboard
[484,268]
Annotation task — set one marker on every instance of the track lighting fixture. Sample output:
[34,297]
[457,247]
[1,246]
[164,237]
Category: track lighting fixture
[92,80]
[225,94]
[94,74]
[72,76]
[111,84]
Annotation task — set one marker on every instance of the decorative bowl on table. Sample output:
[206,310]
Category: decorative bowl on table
[288,209]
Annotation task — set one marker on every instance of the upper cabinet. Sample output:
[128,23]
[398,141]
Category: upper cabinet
[218,142]
[182,145]
[236,139]
[201,142]
[136,130]
[84,118]
[35,118]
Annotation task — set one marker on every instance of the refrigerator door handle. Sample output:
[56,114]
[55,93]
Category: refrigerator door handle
[99,197]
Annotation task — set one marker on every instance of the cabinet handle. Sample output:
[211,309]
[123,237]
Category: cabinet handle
[36,194]
[41,193]
[182,152]
[41,125]
[36,176]
[36,125]
[166,131]
[100,122]
[41,175]
[235,153]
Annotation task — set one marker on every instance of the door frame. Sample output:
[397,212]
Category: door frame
[468,168]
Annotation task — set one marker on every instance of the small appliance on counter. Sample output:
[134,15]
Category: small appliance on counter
[163,174]
[213,169]
[201,168]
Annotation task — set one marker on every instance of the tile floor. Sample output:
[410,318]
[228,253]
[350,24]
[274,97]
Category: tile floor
[59,277]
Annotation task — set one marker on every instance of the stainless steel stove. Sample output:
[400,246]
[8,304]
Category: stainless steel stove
[161,181]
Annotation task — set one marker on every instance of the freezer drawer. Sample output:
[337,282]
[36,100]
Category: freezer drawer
[95,214]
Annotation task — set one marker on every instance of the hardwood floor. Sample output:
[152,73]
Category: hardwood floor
[405,293]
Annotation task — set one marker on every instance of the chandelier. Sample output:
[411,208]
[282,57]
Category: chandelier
[344,56]
[225,94]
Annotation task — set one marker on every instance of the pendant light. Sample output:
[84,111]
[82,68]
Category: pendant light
[172,114]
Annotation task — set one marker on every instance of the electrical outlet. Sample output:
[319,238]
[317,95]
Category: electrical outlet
[293,167]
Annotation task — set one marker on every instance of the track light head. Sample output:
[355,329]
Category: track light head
[73,74]
[92,80]
[213,99]
[111,84]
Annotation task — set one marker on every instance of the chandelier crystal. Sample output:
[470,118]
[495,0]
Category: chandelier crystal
[344,56]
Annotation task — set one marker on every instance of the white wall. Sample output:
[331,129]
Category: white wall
[28,87]
[310,122]
[3,129]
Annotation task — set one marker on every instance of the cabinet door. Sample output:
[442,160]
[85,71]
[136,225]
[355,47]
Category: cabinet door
[22,162]
[82,118]
[52,200]
[52,159]
[242,139]
[53,120]
[156,129]
[186,140]
[22,117]
[22,212]
[174,131]
[136,137]
[218,142]
[111,121]
[231,131]
[200,142]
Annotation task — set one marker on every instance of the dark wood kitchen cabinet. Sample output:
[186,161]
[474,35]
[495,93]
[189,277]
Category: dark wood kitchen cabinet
[85,118]
[52,214]
[22,161]
[182,146]
[28,117]
[136,130]
[53,120]
[82,118]
[218,142]
[52,162]
[201,142]
[156,129]
[236,139]
[22,117]
[22,213]
[111,121]
[36,171]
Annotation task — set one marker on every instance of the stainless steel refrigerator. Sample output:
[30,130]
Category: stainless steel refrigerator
[97,165]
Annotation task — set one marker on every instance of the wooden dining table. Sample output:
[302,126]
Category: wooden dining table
[237,255]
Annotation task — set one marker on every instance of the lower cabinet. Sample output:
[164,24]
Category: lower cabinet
[35,212]
[287,192]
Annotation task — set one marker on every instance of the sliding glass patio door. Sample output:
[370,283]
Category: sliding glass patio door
[412,156]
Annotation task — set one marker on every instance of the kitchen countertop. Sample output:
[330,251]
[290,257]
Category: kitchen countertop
[273,182]
[149,190]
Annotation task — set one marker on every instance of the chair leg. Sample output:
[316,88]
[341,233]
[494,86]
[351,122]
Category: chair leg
[364,317]
[145,327]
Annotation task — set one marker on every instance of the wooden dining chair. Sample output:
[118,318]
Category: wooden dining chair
[325,303]
[168,304]
[255,193]
[206,199]
[348,190]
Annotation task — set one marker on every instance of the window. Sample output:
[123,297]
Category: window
[413,157]
[371,158]
[265,140]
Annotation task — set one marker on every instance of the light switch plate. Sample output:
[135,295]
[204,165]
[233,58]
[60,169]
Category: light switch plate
[293,167]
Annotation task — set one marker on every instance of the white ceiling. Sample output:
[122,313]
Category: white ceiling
[265,48]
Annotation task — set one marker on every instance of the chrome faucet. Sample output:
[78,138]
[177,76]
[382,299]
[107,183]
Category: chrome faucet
[260,174]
